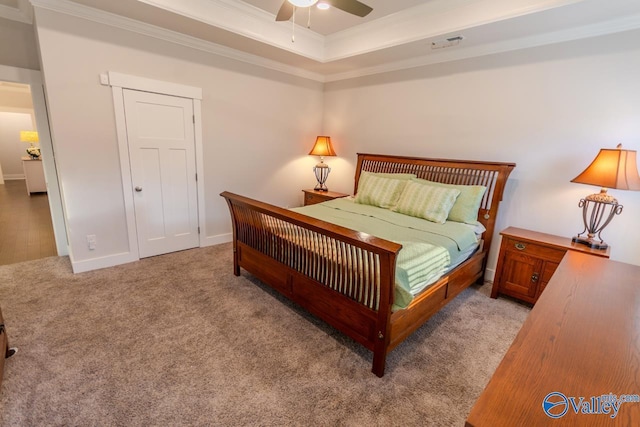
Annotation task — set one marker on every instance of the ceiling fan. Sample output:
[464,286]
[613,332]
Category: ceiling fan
[353,7]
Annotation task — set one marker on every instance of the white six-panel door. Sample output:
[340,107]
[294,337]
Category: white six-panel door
[160,132]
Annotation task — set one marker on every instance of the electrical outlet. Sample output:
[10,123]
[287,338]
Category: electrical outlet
[91,241]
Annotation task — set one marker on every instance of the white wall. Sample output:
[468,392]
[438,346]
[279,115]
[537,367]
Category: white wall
[11,148]
[18,45]
[15,98]
[258,125]
[548,109]
[15,103]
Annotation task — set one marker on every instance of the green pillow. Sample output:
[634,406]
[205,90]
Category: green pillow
[465,209]
[426,201]
[379,191]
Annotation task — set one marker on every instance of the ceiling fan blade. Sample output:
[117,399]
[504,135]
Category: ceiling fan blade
[351,6]
[286,11]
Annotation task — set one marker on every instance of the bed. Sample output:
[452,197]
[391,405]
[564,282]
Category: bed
[347,277]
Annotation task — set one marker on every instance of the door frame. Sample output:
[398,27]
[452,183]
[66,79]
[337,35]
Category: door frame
[118,83]
[54,191]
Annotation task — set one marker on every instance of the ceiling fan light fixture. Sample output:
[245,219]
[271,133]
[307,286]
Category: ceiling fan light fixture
[303,3]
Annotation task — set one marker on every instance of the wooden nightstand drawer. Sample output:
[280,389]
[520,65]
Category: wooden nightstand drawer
[534,249]
[311,197]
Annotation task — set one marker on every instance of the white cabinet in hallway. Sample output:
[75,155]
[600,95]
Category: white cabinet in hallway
[34,175]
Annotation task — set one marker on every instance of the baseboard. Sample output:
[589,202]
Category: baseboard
[102,262]
[127,257]
[489,274]
[216,240]
[12,176]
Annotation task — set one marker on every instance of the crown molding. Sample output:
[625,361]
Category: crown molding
[243,14]
[84,12]
[248,21]
[626,23]
[432,19]
[21,15]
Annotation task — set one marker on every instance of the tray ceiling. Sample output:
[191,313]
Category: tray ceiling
[397,34]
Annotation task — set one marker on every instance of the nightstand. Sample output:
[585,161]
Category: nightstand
[528,259]
[311,197]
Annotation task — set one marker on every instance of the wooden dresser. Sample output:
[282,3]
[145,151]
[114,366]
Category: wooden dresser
[582,339]
[4,346]
[528,259]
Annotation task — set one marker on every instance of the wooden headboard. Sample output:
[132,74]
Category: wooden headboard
[492,175]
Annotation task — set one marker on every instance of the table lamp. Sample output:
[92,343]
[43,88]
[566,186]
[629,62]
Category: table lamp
[322,148]
[30,136]
[612,168]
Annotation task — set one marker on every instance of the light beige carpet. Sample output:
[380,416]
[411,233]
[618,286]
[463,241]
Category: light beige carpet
[178,340]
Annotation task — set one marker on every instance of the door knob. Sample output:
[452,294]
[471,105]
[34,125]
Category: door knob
[138,189]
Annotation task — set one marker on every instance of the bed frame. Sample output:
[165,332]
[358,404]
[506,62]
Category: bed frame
[351,284]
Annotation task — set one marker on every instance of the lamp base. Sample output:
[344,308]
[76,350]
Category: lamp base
[322,173]
[590,241]
[596,218]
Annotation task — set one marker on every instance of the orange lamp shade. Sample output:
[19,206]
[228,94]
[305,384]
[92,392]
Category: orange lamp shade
[322,147]
[612,168]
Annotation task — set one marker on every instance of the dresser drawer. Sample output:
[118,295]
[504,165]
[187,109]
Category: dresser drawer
[533,249]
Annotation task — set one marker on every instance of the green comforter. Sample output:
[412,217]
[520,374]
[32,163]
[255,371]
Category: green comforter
[428,249]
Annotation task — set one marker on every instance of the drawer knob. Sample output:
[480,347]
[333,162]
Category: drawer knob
[520,246]
[534,277]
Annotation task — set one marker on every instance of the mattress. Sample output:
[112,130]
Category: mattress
[429,250]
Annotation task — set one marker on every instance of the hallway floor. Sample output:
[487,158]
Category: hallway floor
[26,231]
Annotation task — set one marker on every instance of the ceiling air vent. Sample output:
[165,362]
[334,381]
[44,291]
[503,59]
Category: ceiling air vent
[448,42]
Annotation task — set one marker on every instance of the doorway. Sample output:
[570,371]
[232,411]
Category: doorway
[26,228]
[33,78]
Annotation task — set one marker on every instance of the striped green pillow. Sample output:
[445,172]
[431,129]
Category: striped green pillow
[466,207]
[426,201]
[378,190]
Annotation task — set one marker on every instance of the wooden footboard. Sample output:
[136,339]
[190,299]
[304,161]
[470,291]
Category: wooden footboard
[344,277]
[347,278]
